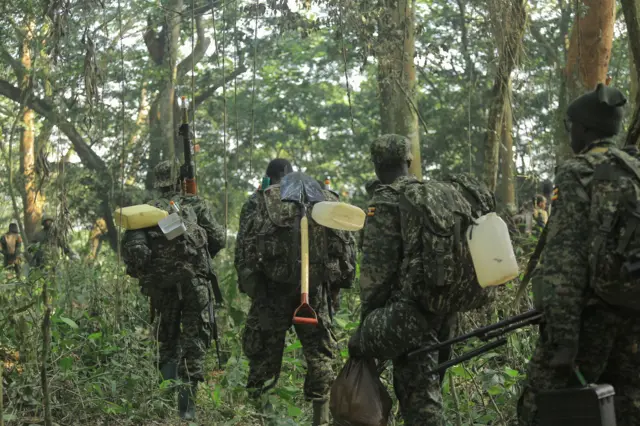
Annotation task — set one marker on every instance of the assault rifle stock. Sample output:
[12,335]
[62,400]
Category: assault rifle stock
[493,331]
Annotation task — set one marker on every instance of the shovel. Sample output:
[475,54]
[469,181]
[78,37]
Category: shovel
[300,188]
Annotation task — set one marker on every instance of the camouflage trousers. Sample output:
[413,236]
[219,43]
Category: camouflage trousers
[263,340]
[184,331]
[391,332]
[608,353]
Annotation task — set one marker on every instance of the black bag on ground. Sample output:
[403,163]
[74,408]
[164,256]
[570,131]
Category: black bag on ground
[358,397]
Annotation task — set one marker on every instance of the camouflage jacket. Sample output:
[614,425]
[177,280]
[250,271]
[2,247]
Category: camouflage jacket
[381,247]
[216,240]
[561,282]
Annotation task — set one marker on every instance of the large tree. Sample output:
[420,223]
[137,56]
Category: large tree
[509,19]
[397,74]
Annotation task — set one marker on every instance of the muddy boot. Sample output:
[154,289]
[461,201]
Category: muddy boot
[187,401]
[320,413]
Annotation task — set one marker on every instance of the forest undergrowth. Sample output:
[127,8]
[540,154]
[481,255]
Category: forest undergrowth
[101,368]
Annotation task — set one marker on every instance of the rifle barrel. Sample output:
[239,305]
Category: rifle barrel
[482,331]
[469,355]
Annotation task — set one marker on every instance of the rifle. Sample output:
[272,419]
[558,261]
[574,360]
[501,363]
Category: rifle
[188,177]
[188,169]
[497,330]
[531,266]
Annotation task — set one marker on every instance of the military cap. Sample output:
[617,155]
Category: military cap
[391,149]
[601,109]
[166,174]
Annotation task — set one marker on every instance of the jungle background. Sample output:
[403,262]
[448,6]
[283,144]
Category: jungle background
[89,98]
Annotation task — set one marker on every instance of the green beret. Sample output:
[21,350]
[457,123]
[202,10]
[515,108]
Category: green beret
[391,149]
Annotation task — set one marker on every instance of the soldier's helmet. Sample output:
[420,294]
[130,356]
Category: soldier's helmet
[46,218]
[391,149]
[166,174]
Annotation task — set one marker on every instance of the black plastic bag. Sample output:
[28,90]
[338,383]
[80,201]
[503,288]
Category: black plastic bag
[358,397]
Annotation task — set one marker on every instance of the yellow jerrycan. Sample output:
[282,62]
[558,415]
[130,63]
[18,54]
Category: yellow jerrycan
[337,215]
[138,217]
[491,251]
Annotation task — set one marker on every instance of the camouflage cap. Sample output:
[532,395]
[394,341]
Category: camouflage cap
[391,149]
[166,174]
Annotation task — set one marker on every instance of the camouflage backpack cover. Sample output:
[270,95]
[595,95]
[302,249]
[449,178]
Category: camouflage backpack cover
[161,263]
[614,244]
[437,269]
[272,243]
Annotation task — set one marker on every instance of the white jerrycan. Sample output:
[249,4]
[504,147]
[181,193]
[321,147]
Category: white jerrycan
[491,251]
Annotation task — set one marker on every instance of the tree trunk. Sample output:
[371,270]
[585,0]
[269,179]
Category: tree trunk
[397,75]
[590,45]
[163,50]
[508,192]
[32,202]
[631,17]
[509,23]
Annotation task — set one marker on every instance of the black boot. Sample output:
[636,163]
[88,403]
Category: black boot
[320,413]
[187,401]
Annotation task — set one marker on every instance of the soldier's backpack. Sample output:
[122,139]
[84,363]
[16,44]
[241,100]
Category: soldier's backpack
[164,264]
[614,246]
[272,243]
[437,269]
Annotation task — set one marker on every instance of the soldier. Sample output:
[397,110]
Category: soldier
[540,215]
[11,245]
[589,320]
[177,276]
[384,309]
[267,261]
[46,241]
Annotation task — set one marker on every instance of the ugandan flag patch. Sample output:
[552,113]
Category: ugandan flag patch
[371,211]
[555,194]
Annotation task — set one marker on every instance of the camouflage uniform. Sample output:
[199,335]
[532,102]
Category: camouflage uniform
[10,246]
[181,305]
[46,243]
[271,315]
[603,340]
[393,325]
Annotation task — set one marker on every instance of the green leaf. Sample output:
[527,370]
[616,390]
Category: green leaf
[66,363]
[292,347]
[294,411]
[511,372]
[71,323]
[9,417]
[95,336]
[495,390]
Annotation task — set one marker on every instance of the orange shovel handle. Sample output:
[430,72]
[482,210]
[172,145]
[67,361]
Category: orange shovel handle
[305,308]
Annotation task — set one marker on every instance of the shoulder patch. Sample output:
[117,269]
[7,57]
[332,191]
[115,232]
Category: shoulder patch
[555,194]
[371,211]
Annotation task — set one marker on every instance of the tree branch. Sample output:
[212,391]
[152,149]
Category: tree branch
[207,93]
[202,44]
[13,62]
[89,158]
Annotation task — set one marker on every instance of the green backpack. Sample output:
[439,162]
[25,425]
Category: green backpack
[437,269]
[164,264]
[614,244]
[272,243]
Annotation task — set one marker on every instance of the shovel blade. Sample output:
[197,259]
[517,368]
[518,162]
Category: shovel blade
[337,215]
[300,188]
